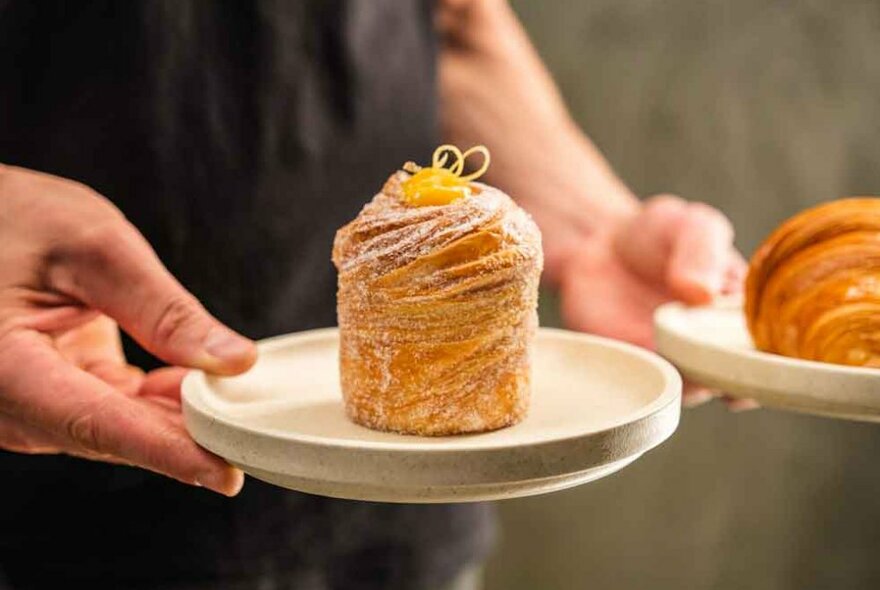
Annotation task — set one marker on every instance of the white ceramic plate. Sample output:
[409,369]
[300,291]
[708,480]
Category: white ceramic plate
[597,405]
[711,345]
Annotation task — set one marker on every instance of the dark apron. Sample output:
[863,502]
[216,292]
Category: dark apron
[237,138]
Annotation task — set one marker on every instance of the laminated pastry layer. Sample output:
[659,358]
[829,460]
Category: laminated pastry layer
[436,309]
[813,289]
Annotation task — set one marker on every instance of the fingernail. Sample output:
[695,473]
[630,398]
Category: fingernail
[227,481]
[225,344]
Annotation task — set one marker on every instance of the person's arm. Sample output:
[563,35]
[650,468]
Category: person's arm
[612,257]
[71,268]
[494,90]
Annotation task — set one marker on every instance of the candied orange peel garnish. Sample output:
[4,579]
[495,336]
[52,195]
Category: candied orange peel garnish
[442,185]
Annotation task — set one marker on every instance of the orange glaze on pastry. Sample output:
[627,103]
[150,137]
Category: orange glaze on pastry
[437,185]
[437,306]
[813,289]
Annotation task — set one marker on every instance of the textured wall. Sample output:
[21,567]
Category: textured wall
[760,107]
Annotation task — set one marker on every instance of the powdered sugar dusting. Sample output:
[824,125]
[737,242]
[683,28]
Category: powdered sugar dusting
[436,308]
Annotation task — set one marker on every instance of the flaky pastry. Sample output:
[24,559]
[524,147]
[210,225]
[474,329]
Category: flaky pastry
[437,299]
[813,288]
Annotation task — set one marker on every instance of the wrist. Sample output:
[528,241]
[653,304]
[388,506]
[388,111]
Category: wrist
[577,199]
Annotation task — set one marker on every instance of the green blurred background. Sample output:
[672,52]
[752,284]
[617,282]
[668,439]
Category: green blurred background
[761,108]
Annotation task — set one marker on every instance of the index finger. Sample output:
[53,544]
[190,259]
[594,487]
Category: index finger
[111,267]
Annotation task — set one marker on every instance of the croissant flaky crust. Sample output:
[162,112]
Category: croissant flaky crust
[813,288]
[436,310]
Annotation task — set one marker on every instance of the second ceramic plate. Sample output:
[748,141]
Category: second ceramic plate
[711,345]
[597,405]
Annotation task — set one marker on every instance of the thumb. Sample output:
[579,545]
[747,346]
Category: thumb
[112,268]
[700,255]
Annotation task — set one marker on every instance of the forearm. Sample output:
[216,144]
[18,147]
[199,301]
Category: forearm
[495,91]
[565,183]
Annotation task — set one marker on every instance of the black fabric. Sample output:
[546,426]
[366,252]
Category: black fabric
[237,137]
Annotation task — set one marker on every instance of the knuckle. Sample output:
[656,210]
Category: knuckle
[79,207]
[167,456]
[97,239]
[90,203]
[703,213]
[86,221]
[664,209]
[90,246]
[698,208]
[85,429]
[165,448]
[174,317]
[81,192]
[665,200]
[91,243]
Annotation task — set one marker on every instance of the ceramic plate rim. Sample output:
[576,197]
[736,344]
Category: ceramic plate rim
[671,394]
[664,321]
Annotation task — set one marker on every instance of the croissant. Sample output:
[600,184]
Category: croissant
[438,281]
[813,287]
